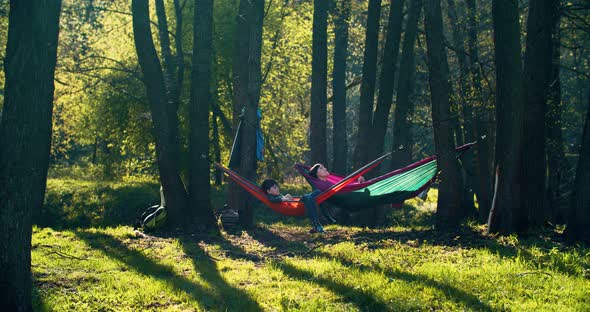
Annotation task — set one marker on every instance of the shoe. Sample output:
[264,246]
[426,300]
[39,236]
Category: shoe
[316,227]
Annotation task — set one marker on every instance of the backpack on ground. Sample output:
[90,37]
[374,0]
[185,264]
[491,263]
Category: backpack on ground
[152,218]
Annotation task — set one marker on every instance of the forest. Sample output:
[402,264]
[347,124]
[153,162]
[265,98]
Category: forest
[454,136]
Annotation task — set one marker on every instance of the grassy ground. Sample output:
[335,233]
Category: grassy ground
[88,264]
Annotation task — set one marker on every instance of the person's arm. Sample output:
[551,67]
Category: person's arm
[275,198]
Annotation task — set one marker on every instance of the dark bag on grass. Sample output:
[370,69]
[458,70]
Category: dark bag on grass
[151,218]
[228,217]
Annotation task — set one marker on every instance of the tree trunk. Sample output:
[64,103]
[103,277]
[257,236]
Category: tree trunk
[217,177]
[340,144]
[361,153]
[402,146]
[449,212]
[386,81]
[167,146]
[237,196]
[482,184]
[199,180]
[537,72]
[319,72]
[248,150]
[169,69]
[558,166]
[179,52]
[468,132]
[508,215]
[578,226]
[25,137]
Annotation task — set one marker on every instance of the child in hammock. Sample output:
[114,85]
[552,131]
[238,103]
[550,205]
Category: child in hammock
[271,188]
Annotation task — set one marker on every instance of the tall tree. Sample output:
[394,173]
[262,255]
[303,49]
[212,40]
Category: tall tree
[387,79]
[172,83]
[482,150]
[165,120]
[199,181]
[25,135]
[449,211]
[179,50]
[369,71]
[537,72]
[254,16]
[463,105]
[404,108]
[506,213]
[556,162]
[578,225]
[237,196]
[319,72]
[340,144]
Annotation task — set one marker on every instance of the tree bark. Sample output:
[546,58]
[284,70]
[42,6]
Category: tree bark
[482,151]
[248,151]
[164,122]
[449,212]
[537,72]
[319,72]
[508,216]
[361,153]
[179,52]
[578,226]
[169,68]
[340,144]
[558,166]
[386,81]
[25,137]
[468,131]
[218,175]
[402,146]
[237,196]
[199,174]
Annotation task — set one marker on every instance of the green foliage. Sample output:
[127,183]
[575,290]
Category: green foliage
[71,203]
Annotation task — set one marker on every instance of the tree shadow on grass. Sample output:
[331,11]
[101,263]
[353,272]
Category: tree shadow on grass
[455,294]
[209,298]
[363,299]
[282,245]
[235,299]
[466,237]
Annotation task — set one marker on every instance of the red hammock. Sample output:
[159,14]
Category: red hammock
[296,207]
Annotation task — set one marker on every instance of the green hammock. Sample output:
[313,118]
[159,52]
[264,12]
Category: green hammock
[391,188]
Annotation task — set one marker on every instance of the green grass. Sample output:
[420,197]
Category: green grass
[278,265]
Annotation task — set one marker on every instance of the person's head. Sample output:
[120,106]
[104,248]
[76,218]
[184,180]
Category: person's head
[270,187]
[318,171]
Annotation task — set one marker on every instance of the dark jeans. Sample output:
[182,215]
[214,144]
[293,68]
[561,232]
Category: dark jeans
[311,207]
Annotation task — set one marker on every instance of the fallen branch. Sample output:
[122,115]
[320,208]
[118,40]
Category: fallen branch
[533,272]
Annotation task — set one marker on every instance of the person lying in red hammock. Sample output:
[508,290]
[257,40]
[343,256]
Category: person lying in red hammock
[271,188]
